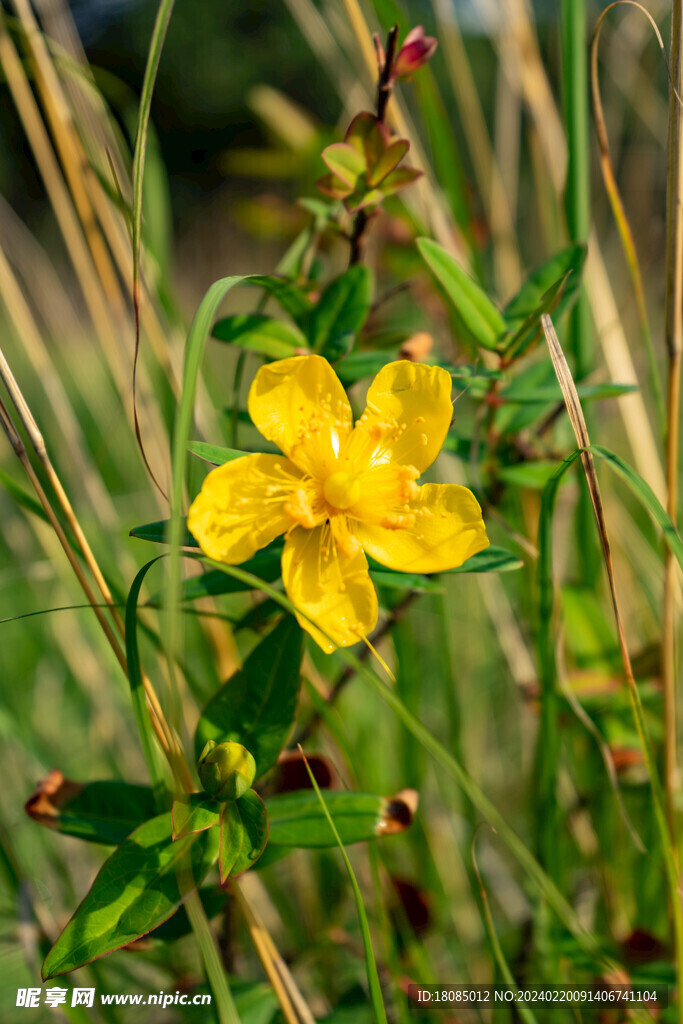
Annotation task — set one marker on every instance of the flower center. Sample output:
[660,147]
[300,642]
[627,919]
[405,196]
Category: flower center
[342,490]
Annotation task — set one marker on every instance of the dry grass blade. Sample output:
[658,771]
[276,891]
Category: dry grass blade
[293,1005]
[674,344]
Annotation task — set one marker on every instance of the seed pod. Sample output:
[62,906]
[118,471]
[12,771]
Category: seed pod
[226,770]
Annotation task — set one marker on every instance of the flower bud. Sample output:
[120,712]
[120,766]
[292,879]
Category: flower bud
[416,50]
[226,770]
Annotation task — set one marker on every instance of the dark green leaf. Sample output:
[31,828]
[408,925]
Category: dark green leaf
[342,307]
[135,891]
[263,334]
[405,581]
[479,315]
[160,533]
[213,454]
[297,819]
[518,341]
[338,346]
[257,705]
[359,365]
[213,900]
[243,834]
[528,299]
[193,812]
[492,559]
[290,296]
[264,564]
[101,812]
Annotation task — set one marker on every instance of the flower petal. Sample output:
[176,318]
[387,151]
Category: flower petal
[408,413]
[241,506]
[447,530]
[301,406]
[331,587]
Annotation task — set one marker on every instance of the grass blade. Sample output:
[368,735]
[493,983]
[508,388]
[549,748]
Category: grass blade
[153,57]
[370,965]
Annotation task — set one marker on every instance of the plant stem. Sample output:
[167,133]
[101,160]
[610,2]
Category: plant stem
[674,344]
[384,88]
[577,204]
[385,85]
[226,1010]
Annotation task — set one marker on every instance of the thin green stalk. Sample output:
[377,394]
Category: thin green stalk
[577,206]
[370,965]
[226,1010]
[524,1012]
[236,387]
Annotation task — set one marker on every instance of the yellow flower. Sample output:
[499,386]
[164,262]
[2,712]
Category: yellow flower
[341,490]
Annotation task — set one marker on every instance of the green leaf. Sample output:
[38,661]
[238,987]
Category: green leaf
[587,392]
[137,690]
[160,533]
[243,835]
[257,705]
[297,819]
[478,314]
[345,162]
[213,900]
[259,333]
[193,812]
[516,343]
[534,475]
[289,295]
[529,298]
[135,890]
[342,307]
[491,559]
[358,365]
[265,564]
[99,812]
[213,454]
[405,581]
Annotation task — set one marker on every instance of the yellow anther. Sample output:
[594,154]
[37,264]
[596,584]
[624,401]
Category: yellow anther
[342,490]
[298,508]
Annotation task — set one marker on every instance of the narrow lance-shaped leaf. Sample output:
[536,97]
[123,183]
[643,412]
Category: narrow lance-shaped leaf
[289,295]
[526,302]
[263,334]
[99,812]
[213,453]
[343,307]
[479,315]
[136,889]
[257,705]
[297,819]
